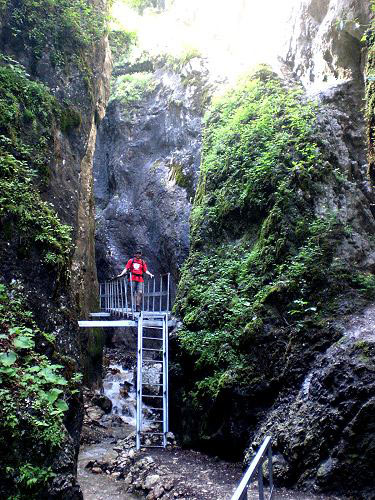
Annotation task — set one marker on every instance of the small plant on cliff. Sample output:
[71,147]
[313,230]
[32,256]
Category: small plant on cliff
[131,89]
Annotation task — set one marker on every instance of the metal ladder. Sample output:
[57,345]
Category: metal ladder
[152,350]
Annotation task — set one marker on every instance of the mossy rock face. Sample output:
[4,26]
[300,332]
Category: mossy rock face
[269,268]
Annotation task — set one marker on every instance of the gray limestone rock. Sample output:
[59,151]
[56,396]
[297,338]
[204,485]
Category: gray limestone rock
[146,169]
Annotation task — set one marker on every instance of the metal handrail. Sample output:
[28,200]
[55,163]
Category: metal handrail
[256,468]
[117,297]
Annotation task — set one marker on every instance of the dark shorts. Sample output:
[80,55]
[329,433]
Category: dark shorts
[138,286]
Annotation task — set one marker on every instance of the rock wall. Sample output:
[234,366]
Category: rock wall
[259,360]
[146,164]
[60,58]
[325,47]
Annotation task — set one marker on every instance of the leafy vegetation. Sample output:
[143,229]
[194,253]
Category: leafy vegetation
[261,259]
[66,26]
[121,42]
[28,113]
[34,395]
[131,89]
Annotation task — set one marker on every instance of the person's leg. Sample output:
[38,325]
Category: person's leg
[138,294]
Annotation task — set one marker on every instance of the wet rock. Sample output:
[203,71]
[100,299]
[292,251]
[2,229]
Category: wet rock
[324,434]
[103,402]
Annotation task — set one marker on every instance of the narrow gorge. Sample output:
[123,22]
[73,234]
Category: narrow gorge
[168,126]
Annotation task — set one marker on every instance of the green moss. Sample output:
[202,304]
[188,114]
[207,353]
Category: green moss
[183,180]
[259,253]
[33,397]
[131,89]
[366,350]
[70,119]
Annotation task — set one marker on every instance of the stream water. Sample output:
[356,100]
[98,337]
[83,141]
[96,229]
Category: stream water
[119,388]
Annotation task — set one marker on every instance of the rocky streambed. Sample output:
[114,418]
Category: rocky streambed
[109,467]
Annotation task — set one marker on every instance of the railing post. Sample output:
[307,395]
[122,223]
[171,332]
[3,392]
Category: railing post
[260,480]
[126,297]
[153,296]
[270,470]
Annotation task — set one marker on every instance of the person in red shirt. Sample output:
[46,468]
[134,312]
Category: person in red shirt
[136,267]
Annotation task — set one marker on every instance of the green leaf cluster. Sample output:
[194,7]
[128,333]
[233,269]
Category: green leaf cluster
[34,395]
[64,26]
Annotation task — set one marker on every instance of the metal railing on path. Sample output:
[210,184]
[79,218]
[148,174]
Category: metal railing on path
[117,296]
[255,470]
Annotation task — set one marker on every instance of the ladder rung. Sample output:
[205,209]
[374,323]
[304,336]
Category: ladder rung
[160,409]
[152,360]
[150,396]
[159,385]
[152,338]
[152,446]
[149,349]
[143,433]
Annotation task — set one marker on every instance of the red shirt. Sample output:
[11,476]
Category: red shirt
[137,267]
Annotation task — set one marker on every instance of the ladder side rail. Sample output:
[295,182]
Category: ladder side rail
[168,291]
[139,383]
[167,367]
[143,296]
[164,389]
[148,295]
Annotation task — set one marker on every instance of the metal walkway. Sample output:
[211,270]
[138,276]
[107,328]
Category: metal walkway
[117,304]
